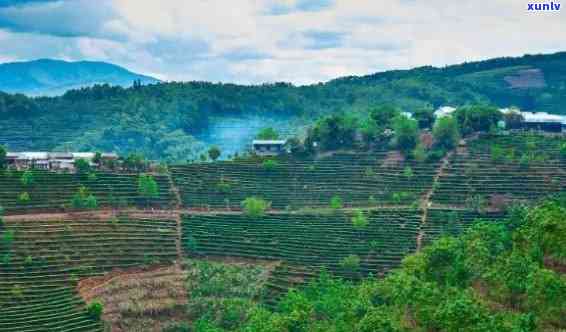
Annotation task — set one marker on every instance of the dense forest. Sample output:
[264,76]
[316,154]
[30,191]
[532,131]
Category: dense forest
[162,120]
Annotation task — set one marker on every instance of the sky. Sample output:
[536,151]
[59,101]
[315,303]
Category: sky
[262,41]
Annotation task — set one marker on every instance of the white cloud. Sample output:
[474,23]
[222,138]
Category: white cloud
[253,41]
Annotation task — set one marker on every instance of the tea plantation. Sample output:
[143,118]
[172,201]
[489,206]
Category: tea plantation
[42,261]
[360,180]
[48,191]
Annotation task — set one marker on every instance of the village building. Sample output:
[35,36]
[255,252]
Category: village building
[269,147]
[52,160]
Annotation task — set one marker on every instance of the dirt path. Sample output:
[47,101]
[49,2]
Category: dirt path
[426,203]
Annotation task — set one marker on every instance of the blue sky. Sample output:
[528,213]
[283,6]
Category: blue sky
[256,41]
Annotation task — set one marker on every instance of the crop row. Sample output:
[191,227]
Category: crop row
[50,191]
[358,180]
[41,262]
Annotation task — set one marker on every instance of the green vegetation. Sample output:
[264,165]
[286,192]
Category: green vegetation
[95,309]
[496,277]
[406,133]
[82,166]
[336,202]
[214,153]
[84,200]
[268,134]
[3,162]
[446,134]
[255,207]
[27,178]
[147,188]
[162,120]
[270,164]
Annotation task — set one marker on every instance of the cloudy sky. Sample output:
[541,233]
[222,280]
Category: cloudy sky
[254,41]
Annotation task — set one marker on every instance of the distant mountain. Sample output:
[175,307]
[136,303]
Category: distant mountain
[49,77]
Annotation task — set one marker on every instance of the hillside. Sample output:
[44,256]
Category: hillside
[47,77]
[175,121]
[351,242]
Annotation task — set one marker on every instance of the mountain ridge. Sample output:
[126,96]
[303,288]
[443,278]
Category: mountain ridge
[52,77]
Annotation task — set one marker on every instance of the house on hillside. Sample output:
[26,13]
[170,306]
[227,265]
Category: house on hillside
[269,147]
[52,160]
[542,121]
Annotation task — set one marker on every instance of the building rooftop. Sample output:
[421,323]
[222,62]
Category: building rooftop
[269,142]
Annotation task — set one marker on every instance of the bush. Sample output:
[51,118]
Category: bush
[27,178]
[24,198]
[359,220]
[406,133]
[350,263]
[336,202]
[255,207]
[147,188]
[446,134]
[214,153]
[95,309]
[270,164]
[82,166]
[83,200]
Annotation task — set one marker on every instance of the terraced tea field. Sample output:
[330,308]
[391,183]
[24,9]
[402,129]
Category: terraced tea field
[53,191]
[360,181]
[502,169]
[311,241]
[42,261]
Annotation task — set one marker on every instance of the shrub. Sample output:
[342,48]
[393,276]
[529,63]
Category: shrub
[445,132]
[255,207]
[83,200]
[270,164]
[147,188]
[350,263]
[95,309]
[408,173]
[223,187]
[336,202]
[267,134]
[406,133]
[24,198]
[359,220]
[82,166]
[91,203]
[27,178]
[214,153]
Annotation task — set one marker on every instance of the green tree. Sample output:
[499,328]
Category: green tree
[255,207]
[3,161]
[477,118]
[91,203]
[24,198]
[27,178]
[82,166]
[360,221]
[424,116]
[445,132]
[95,310]
[97,159]
[147,188]
[270,164]
[267,134]
[336,202]
[214,153]
[350,263]
[383,116]
[406,133]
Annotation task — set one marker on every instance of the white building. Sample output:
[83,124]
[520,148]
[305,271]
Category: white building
[444,111]
[268,147]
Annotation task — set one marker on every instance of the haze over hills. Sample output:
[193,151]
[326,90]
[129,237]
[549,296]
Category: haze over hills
[48,77]
[175,121]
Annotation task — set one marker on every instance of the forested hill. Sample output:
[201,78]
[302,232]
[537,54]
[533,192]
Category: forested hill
[49,77]
[162,120]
